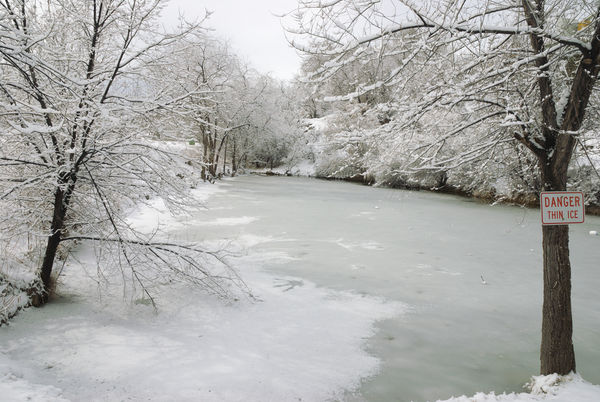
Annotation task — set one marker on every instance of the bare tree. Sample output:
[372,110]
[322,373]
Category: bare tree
[235,114]
[75,101]
[516,71]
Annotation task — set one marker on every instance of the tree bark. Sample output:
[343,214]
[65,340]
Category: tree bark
[212,164]
[557,354]
[225,156]
[233,161]
[56,228]
[204,155]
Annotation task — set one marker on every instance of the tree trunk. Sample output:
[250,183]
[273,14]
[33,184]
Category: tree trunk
[56,229]
[556,353]
[212,154]
[245,153]
[218,153]
[204,155]
[225,156]
[212,164]
[233,161]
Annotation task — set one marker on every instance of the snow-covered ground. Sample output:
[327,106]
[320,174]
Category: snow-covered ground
[571,388]
[297,341]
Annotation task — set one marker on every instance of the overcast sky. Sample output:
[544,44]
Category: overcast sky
[253,30]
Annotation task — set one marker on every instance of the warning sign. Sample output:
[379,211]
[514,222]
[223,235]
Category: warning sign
[562,207]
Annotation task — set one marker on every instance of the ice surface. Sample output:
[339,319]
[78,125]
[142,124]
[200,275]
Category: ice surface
[429,251]
[356,303]
[298,342]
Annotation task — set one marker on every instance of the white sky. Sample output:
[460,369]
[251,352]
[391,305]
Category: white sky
[251,27]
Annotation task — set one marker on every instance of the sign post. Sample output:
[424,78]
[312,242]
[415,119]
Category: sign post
[562,207]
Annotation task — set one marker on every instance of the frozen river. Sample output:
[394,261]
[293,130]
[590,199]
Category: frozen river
[430,252]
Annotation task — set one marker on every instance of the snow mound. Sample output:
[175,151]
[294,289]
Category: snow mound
[553,387]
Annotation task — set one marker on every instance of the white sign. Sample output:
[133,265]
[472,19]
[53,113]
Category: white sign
[562,207]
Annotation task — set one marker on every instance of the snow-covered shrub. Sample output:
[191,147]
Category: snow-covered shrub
[341,142]
[342,158]
[584,174]
[18,285]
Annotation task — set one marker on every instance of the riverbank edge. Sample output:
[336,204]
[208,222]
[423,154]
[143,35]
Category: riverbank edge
[486,197]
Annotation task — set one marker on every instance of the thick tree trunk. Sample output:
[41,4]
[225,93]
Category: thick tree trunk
[556,353]
[56,228]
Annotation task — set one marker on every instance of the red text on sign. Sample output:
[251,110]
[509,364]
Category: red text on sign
[566,201]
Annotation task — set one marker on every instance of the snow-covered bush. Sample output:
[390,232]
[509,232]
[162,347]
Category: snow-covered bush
[18,284]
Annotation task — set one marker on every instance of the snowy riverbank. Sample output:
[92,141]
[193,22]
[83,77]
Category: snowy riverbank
[571,388]
[297,342]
